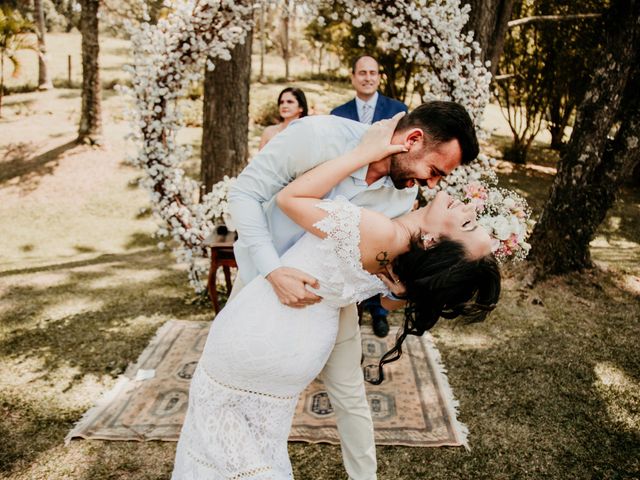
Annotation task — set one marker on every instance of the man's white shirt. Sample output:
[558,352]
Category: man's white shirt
[265,232]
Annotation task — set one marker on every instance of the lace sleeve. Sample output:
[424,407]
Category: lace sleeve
[342,226]
[341,247]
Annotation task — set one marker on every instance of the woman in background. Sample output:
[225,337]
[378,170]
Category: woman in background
[292,104]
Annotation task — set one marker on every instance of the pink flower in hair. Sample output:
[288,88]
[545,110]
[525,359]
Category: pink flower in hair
[476,193]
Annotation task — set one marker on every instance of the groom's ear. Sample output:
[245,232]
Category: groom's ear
[414,136]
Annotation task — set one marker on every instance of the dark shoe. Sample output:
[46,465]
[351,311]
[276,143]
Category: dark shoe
[380,326]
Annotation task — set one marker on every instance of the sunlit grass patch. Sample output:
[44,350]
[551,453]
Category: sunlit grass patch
[465,339]
[621,393]
[70,307]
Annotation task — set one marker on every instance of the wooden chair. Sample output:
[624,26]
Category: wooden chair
[221,245]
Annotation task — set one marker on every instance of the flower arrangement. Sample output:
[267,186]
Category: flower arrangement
[217,204]
[505,215]
[502,212]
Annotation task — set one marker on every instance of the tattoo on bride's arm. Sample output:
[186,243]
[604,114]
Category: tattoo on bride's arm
[383,259]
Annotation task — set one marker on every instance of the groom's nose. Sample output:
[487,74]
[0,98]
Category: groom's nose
[433,181]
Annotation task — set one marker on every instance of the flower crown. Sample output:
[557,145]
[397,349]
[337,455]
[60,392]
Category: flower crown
[503,213]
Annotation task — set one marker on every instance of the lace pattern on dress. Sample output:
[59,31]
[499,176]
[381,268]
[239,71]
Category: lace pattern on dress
[342,248]
[230,434]
[244,390]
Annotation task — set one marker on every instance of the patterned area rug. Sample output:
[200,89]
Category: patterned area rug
[414,406]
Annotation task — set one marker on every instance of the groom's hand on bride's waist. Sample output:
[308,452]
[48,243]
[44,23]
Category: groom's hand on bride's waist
[289,285]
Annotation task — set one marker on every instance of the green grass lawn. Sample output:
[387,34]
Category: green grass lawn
[549,385]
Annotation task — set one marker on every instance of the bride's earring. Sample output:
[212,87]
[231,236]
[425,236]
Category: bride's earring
[427,239]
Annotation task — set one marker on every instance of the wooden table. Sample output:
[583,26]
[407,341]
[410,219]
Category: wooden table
[221,245]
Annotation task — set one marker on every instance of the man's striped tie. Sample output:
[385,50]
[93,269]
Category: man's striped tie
[367,114]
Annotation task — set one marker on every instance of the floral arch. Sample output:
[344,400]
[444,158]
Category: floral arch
[172,54]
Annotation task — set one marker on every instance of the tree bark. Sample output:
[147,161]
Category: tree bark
[44,81]
[489,19]
[558,119]
[285,37]
[1,82]
[225,128]
[90,130]
[592,168]
[262,40]
[634,177]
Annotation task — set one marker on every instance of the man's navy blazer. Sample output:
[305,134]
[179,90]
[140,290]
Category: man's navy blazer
[385,108]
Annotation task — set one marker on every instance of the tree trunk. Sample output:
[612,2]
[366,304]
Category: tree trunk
[44,81]
[262,40]
[90,130]
[592,168]
[225,128]
[1,80]
[559,115]
[285,38]
[489,19]
[634,177]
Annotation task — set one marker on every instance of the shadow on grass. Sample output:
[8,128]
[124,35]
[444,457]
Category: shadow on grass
[138,256]
[17,151]
[28,429]
[122,315]
[126,460]
[20,164]
[9,102]
[140,240]
[84,249]
[126,299]
[70,93]
[108,93]
[539,153]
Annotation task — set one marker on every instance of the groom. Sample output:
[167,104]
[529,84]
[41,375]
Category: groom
[438,137]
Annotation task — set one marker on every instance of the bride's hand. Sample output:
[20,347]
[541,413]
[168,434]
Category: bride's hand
[393,283]
[376,144]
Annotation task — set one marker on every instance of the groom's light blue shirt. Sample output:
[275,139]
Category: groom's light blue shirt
[264,231]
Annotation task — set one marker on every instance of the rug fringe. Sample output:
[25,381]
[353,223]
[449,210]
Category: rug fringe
[452,405]
[122,382]
[93,412]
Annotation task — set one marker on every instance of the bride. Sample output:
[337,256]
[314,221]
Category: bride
[261,354]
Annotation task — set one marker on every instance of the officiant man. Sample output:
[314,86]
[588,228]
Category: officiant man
[369,106]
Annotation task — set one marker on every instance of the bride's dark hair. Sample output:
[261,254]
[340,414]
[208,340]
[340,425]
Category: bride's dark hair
[441,281]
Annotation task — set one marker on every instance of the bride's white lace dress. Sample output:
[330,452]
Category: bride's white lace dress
[260,355]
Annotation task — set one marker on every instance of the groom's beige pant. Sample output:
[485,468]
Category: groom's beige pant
[344,380]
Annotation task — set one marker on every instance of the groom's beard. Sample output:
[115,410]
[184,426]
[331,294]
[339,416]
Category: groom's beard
[399,171]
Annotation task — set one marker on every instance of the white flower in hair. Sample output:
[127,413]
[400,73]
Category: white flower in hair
[501,228]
